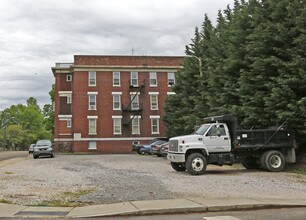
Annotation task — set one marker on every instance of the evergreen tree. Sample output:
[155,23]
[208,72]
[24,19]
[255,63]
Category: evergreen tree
[253,66]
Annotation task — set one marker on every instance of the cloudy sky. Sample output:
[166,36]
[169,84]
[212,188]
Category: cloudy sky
[35,34]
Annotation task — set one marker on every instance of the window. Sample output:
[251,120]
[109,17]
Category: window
[69,100]
[154,102]
[136,125]
[155,125]
[68,78]
[171,79]
[117,124]
[69,123]
[116,101]
[92,145]
[136,142]
[216,131]
[92,124]
[134,78]
[92,102]
[135,101]
[92,78]
[116,78]
[212,131]
[153,79]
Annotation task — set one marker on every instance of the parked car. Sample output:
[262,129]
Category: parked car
[136,147]
[43,148]
[145,149]
[155,147]
[164,149]
[31,148]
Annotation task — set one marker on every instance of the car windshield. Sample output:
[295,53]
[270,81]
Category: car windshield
[43,143]
[202,129]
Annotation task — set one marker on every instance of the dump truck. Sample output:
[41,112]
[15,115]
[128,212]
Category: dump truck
[219,142]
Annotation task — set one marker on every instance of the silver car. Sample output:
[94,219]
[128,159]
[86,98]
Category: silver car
[43,148]
[31,148]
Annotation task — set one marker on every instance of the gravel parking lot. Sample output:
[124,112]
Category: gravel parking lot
[95,179]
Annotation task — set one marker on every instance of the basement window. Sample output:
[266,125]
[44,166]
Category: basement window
[92,145]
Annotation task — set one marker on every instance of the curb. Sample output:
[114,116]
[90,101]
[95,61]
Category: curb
[150,207]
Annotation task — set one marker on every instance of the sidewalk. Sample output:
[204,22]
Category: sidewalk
[150,207]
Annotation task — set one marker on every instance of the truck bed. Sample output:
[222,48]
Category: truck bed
[264,138]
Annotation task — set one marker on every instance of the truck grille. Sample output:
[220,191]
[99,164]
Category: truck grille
[173,145]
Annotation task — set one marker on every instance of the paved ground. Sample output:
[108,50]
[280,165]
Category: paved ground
[100,179]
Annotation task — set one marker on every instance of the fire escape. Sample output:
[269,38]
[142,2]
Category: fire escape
[134,107]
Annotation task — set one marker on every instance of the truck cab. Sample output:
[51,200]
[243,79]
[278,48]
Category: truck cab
[219,142]
[209,139]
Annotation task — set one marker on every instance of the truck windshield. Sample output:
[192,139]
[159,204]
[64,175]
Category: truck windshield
[202,129]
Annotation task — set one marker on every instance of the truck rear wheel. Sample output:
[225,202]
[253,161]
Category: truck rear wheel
[178,166]
[196,164]
[273,161]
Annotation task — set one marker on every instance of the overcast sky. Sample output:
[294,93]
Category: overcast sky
[35,34]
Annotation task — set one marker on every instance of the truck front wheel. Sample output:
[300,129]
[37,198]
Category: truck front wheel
[178,166]
[196,164]
[273,161]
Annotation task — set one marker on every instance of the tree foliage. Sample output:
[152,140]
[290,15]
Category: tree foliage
[253,66]
[22,125]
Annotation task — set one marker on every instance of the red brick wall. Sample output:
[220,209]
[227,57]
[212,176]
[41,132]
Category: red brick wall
[106,147]
[128,60]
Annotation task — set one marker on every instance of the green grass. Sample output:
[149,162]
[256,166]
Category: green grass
[5,201]
[301,171]
[68,199]
[8,172]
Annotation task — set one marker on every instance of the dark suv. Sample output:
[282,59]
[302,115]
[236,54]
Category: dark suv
[43,148]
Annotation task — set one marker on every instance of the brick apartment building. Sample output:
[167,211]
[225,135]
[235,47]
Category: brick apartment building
[106,103]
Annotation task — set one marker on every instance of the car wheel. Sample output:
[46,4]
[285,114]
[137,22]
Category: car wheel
[178,166]
[35,157]
[196,164]
[53,155]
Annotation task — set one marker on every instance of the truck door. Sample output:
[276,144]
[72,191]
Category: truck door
[217,139]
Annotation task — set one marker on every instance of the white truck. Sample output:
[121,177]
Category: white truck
[219,142]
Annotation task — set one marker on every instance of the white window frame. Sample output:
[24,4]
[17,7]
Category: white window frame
[154,118]
[116,73]
[171,76]
[69,78]
[117,121]
[153,103]
[135,103]
[92,78]
[92,125]
[134,78]
[69,99]
[92,103]
[116,94]
[136,125]
[92,145]
[69,123]
[153,79]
